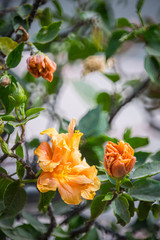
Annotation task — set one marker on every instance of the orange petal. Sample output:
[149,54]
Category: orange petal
[44,152]
[71,194]
[79,179]
[46,182]
[50,132]
[118,169]
[72,126]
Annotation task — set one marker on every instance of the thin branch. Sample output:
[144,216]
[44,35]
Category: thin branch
[27,166]
[135,93]
[7,10]
[36,5]
[76,27]
[4,175]
[82,229]
[52,223]
[75,211]
[19,142]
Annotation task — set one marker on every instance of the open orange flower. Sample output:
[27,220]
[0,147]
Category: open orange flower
[40,65]
[118,159]
[63,168]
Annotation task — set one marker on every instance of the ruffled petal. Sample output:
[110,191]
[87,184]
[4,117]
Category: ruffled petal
[46,182]
[44,152]
[50,132]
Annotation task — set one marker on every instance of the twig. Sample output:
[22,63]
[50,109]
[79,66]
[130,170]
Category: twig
[27,166]
[136,92]
[82,229]
[20,141]
[4,175]
[52,223]
[36,5]
[7,10]
[75,211]
[76,27]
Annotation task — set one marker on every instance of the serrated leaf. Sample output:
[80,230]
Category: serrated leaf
[14,200]
[15,56]
[45,199]
[145,190]
[152,67]
[7,45]
[108,196]
[114,42]
[147,170]
[35,110]
[48,33]
[34,222]
[97,206]
[121,208]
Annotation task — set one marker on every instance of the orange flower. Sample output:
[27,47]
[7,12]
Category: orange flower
[41,65]
[63,168]
[119,159]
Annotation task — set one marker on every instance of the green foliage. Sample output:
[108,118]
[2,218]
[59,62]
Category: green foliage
[58,7]
[24,10]
[123,22]
[15,56]
[156,156]
[141,157]
[97,206]
[60,233]
[147,170]
[48,33]
[114,77]
[45,199]
[155,210]
[121,208]
[7,45]
[152,67]
[140,5]
[33,111]
[45,16]
[108,196]
[14,200]
[143,188]
[135,142]
[92,234]
[143,210]
[114,42]
[104,99]
[19,149]
[20,170]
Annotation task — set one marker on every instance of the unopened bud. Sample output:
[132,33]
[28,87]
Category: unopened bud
[5,147]
[18,95]
[5,81]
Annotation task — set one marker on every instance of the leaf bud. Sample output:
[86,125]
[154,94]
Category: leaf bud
[17,96]
[5,81]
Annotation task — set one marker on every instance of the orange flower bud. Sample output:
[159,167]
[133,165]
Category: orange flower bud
[119,159]
[41,65]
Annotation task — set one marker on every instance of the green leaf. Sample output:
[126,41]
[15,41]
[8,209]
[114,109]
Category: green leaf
[95,141]
[103,178]
[25,232]
[6,223]
[137,142]
[48,33]
[127,134]
[141,157]
[15,56]
[14,200]
[58,7]
[155,210]
[7,45]
[139,5]
[147,170]
[114,77]
[45,199]
[16,124]
[152,67]
[24,10]
[45,16]
[93,123]
[9,129]
[121,208]
[104,99]
[35,110]
[34,143]
[131,203]
[34,222]
[20,170]
[106,187]
[8,118]
[153,51]
[145,190]
[97,206]
[108,196]
[126,183]
[92,234]
[86,91]
[60,233]
[123,22]
[19,149]
[156,157]
[114,43]
[4,182]
[143,210]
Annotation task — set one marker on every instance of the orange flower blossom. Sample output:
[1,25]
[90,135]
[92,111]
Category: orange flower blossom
[118,159]
[63,168]
[40,65]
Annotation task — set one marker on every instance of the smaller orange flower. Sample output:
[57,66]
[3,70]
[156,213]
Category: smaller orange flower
[118,159]
[41,65]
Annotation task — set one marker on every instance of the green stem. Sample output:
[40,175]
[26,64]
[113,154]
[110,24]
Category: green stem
[17,113]
[118,184]
[140,17]
[29,181]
